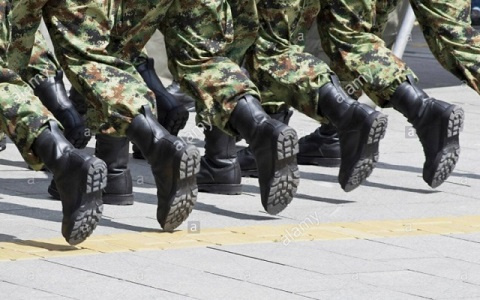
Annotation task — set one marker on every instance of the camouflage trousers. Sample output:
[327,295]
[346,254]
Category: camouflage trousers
[350,32]
[447,28]
[81,32]
[43,63]
[267,37]
[206,42]
[278,64]
[22,115]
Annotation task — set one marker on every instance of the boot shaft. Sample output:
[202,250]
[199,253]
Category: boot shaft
[51,91]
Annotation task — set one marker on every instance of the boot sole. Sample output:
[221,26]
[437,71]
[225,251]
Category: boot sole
[186,192]
[318,161]
[447,158]
[370,154]
[223,189]
[287,176]
[250,173]
[86,217]
[117,199]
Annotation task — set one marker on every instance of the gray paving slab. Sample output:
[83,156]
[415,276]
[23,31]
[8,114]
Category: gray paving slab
[171,277]
[420,284]
[59,279]
[442,267]
[19,292]
[445,246]
[296,255]
[362,292]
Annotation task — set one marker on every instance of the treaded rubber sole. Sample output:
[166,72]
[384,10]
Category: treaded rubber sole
[222,189]
[118,199]
[365,165]
[250,173]
[186,191]
[86,217]
[287,176]
[318,161]
[3,143]
[447,159]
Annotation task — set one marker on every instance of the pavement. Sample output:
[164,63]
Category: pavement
[392,238]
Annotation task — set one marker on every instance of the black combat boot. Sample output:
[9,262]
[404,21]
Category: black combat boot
[3,141]
[80,179]
[245,155]
[174,166]
[360,129]
[114,152]
[438,126]
[172,115]
[52,93]
[78,101]
[274,146]
[219,168]
[321,147]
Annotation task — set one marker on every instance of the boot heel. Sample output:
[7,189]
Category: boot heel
[369,156]
[97,177]
[455,122]
[86,217]
[186,192]
[447,159]
[287,176]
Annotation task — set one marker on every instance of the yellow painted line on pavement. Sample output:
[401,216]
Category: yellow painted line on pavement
[307,230]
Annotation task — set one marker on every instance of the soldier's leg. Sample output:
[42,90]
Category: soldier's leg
[203,57]
[451,38]
[139,22]
[281,67]
[35,132]
[46,78]
[122,102]
[360,56]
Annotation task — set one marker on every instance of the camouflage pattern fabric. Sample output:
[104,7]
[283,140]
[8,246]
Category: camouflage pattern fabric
[446,25]
[22,115]
[81,32]
[350,31]
[350,36]
[43,63]
[278,63]
[206,41]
